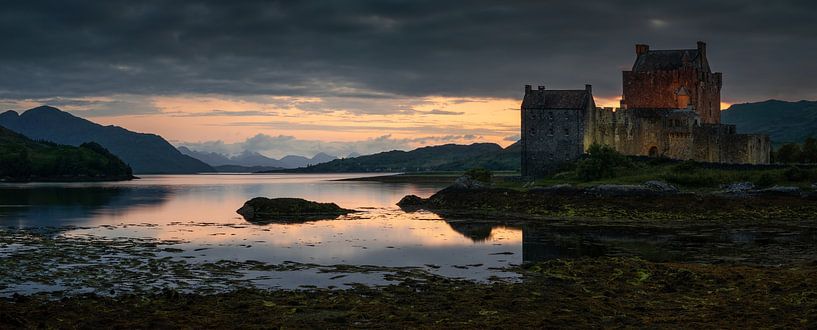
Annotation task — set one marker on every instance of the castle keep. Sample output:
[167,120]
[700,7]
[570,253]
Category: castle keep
[670,108]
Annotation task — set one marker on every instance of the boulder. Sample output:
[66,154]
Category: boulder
[468,183]
[557,188]
[288,210]
[661,186]
[411,201]
[738,187]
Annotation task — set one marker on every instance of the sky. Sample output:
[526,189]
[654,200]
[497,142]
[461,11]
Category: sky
[300,77]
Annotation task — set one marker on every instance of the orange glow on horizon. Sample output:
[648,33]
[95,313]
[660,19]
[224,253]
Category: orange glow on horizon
[195,118]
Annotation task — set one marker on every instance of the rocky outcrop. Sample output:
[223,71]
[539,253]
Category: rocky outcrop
[469,183]
[661,186]
[262,210]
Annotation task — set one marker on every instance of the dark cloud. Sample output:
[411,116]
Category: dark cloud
[383,49]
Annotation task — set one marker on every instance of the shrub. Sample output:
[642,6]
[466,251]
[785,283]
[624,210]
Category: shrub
[602,161]
[788,153]
[480,174]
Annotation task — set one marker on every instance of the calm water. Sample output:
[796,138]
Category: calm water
[197,213]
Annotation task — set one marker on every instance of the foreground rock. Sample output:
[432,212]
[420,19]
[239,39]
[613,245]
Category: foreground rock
[288,210]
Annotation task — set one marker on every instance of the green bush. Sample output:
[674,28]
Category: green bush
[602,161]
[480,174]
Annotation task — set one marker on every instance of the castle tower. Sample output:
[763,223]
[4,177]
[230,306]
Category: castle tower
[553,127]
[673,79]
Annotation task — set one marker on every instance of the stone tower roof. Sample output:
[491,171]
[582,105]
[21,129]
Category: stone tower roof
[670,59]
[557,99]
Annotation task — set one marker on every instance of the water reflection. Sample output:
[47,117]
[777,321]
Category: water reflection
[41,206]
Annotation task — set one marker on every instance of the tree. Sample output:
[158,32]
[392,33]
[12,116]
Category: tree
[602,161]
[788,153]
[809,151]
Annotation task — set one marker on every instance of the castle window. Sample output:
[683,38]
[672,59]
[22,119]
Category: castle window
[550,115]
[567,132]
[550,132]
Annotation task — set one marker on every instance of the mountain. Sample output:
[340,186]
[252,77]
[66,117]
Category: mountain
[245,169]
[449,157]
[23,159]
[254,159]
[783,121]
[145,153]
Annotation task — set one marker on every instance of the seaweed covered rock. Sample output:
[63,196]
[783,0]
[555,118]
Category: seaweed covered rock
[288,210]
[411,201]
[661,186]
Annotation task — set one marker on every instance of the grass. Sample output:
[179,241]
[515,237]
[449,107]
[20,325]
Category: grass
[692,176]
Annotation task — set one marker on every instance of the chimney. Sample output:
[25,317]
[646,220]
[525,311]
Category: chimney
[541,88]
[702,48]
[641,49]
[589,88]
[527,89]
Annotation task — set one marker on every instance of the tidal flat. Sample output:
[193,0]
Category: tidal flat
[174,254]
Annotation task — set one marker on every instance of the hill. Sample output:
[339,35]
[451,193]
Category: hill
[145,153]
[22,159]
[784,122]
[449,157]
[254,159]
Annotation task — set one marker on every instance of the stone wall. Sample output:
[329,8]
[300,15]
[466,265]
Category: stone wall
[658,90]
[677,134]
[550,137]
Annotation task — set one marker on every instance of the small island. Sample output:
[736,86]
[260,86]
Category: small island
[261,210]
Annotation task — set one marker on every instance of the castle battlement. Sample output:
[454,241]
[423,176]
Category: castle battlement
[670,108]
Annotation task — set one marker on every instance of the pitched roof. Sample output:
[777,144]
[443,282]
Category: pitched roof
[556,99]
[662,60]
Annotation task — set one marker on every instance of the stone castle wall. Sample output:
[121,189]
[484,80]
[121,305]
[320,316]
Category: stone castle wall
[658,90]
[550,138]
[674,134]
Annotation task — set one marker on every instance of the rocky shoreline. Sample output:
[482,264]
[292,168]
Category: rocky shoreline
[652,201]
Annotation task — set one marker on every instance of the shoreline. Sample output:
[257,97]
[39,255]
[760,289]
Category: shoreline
[639,206]
[558,293]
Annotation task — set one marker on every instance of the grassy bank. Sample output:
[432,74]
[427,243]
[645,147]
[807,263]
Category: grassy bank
[577,293]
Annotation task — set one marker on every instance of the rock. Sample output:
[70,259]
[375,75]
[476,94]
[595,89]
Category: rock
[557,188]
[779,190]
[288,210]
[620,190]
[661,186]
[411,201]
[469,183]
[738,187]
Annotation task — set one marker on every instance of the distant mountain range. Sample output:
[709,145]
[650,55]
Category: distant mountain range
[449,157]
[251,159]
[145,153]
[784,122]
[23,159]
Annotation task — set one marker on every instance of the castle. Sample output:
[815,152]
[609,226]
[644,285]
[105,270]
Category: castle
[670,108]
